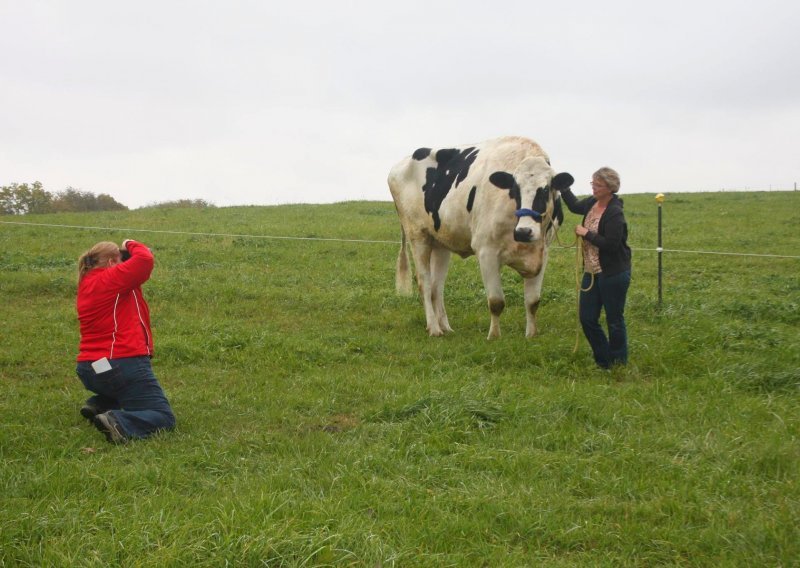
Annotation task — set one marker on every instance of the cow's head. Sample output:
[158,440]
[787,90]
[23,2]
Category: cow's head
[535,189]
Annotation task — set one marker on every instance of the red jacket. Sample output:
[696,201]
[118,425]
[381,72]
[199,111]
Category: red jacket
[113,315]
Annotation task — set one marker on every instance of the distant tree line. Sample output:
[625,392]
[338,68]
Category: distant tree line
[25,199]
[179,203]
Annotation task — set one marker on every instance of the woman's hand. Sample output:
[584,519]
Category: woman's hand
[581,231]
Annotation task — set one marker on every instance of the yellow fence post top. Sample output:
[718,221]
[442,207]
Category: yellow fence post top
[660,198]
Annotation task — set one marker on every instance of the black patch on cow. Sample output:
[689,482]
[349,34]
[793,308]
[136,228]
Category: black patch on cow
[505,180]
[471,200]
[562,181]
[445,155]
[558,214]
[421,153]
[540,200]
[451,168]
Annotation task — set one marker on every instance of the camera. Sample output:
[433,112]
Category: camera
[124,254]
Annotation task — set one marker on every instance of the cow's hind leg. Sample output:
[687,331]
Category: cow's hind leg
[490,272]
[422,261]
[533,293]
[440,262]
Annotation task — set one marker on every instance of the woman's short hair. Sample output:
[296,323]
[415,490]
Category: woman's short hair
[609,177]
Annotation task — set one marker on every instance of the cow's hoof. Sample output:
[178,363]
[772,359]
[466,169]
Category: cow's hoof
[435,332]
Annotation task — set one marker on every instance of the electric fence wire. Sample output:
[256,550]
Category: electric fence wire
[327,239]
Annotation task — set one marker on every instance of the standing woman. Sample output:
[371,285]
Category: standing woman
[117,344]
[606,264]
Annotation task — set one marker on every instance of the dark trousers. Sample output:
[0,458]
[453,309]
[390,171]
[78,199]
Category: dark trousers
[607,293]
[132,393]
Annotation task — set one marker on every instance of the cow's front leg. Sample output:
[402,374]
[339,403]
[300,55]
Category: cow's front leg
[533,293]
[422,262]
[490,271]
[440,262]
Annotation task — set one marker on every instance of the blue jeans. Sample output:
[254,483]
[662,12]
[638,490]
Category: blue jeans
[607,293]
[131,392]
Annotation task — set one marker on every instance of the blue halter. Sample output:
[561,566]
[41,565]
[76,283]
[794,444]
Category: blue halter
[528,213]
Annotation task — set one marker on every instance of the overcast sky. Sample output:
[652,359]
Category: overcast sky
[261,102]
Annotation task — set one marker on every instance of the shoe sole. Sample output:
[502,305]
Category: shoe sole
[109,428]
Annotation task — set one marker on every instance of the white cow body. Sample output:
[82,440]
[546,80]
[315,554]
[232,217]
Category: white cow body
[464,200]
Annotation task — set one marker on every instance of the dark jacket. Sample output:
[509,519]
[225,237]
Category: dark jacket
[611,237]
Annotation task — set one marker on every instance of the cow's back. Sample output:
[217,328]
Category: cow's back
[421,201]
[445,194]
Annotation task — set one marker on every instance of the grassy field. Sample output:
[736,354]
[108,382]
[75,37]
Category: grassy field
[319,425]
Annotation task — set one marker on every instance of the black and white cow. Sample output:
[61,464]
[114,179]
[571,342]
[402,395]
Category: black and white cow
[498,200]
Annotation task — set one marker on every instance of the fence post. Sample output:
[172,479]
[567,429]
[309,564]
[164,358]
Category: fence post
[659,248]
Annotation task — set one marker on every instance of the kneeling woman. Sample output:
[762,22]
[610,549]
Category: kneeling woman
[117,343]
[607,267]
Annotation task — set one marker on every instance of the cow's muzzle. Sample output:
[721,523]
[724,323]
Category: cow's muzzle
[523,235]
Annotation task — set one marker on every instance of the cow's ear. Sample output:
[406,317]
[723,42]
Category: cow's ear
[562,181]
[503,180]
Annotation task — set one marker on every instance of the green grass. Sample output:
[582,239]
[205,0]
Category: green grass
[319,425]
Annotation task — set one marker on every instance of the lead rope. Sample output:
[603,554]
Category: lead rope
[579,289]
[578,244]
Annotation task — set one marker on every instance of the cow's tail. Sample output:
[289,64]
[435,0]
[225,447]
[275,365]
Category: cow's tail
[402,279]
